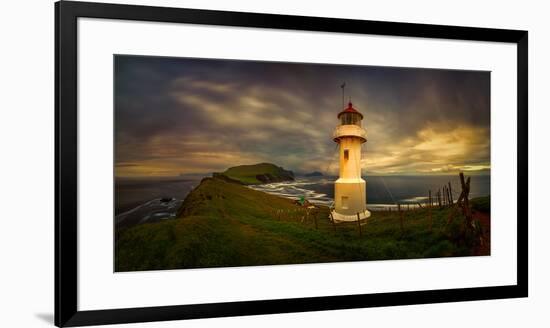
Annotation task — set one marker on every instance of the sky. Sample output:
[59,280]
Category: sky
[189,116]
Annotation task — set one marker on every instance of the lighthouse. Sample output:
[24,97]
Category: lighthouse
[350,199]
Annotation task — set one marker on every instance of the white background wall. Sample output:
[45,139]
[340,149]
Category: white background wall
[27,182]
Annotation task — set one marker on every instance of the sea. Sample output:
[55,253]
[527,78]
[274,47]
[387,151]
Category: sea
[135,196]
[133,192]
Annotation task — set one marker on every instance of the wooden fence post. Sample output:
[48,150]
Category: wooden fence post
[315,219]
[400,216]
[430,216]
[333,223]
[359,225]
[465,201]
[451,193]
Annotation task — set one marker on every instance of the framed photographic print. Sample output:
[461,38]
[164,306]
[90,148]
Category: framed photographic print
[215,163]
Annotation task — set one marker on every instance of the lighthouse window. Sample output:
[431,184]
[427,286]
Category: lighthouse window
[346,154]
[350,118]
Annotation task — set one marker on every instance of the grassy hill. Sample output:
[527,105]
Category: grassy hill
[226,224]
[257,173]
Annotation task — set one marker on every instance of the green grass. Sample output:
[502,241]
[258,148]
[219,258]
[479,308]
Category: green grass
[247,174]
[225,224]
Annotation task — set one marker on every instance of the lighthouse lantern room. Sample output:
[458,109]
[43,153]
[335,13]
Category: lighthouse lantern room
[350,199]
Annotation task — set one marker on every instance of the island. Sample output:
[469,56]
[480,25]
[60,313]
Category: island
[255,174]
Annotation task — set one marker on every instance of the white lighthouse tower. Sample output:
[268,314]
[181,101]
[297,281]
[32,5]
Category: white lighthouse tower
[350,199]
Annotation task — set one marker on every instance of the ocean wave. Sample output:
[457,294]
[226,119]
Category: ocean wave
[294,190]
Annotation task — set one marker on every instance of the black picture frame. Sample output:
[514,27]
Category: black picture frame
[66,15]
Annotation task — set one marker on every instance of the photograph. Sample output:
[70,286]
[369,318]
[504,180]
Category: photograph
[229,163]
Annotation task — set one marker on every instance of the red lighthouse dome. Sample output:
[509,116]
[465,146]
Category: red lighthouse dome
[350,109]
[350,116]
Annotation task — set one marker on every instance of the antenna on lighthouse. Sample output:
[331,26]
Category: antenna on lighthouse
[343,86]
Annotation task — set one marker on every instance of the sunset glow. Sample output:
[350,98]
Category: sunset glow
[188,116]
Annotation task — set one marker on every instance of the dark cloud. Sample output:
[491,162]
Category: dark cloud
[187,115]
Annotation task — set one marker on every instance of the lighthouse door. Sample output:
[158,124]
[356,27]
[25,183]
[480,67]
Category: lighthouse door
[345,204]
